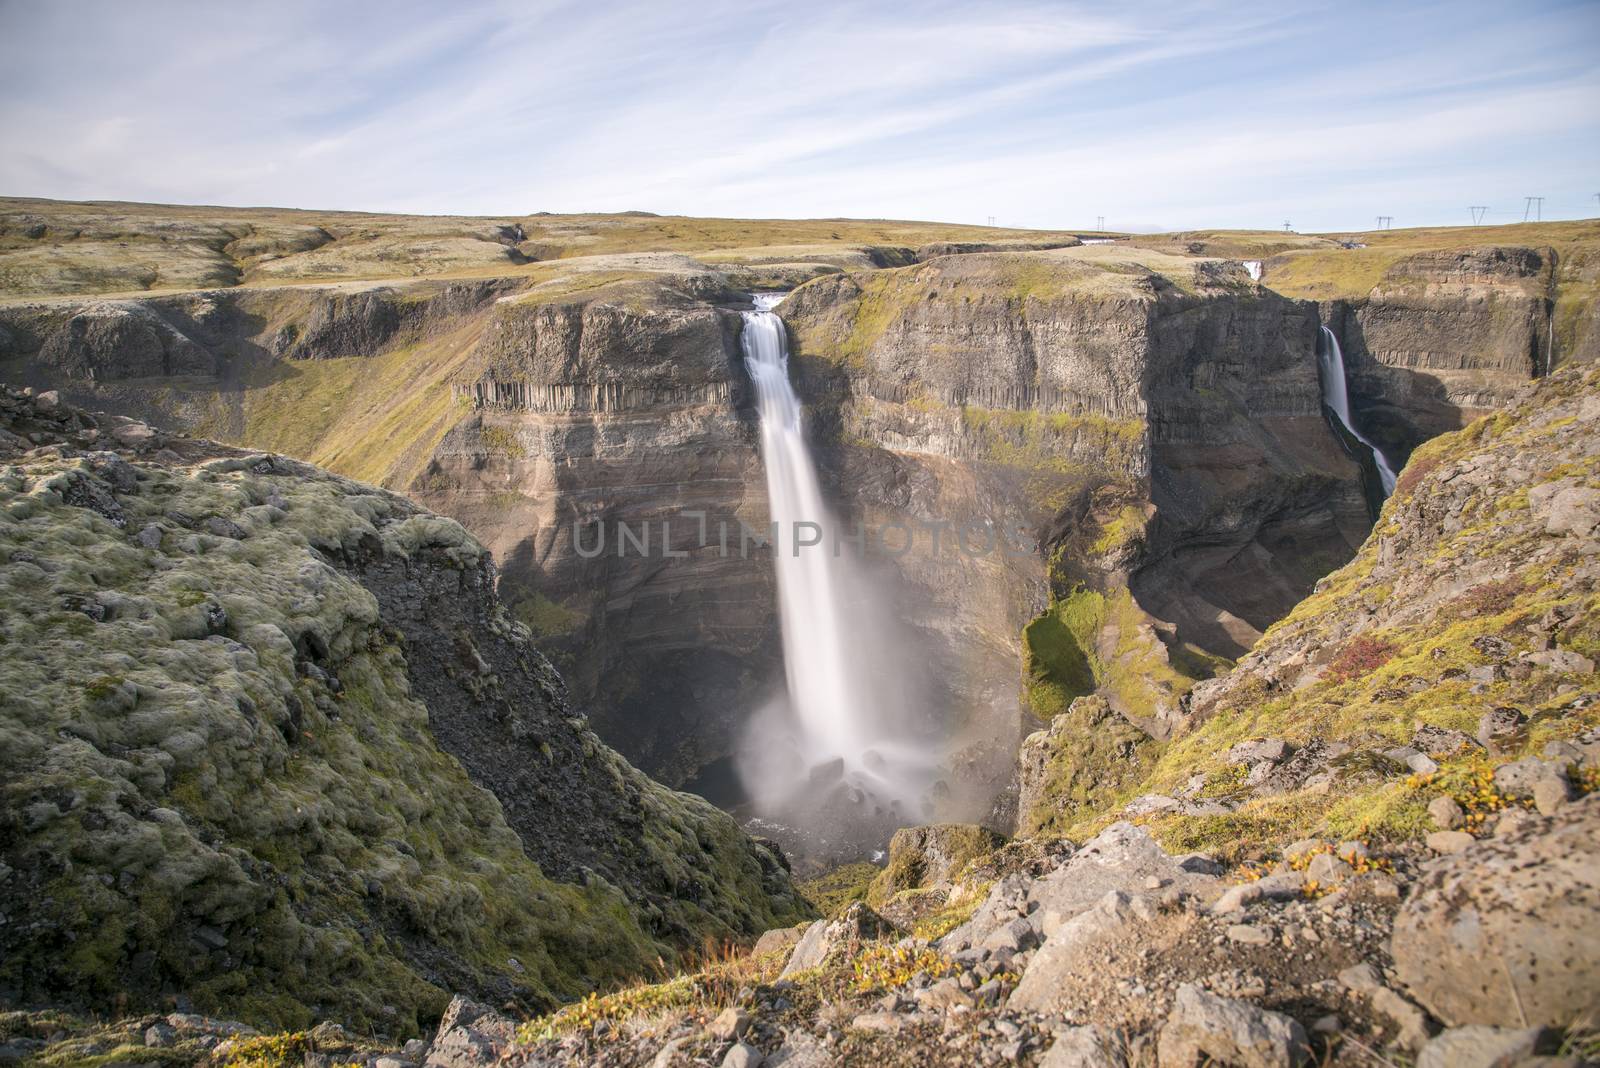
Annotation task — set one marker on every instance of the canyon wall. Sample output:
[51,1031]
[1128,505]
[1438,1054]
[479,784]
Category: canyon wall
[1150,423]
[1446,336]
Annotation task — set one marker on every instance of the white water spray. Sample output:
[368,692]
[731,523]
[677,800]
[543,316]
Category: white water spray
[832,661]
[1254,267]
[1336,395]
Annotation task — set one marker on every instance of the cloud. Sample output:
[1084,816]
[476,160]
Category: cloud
[1041,113]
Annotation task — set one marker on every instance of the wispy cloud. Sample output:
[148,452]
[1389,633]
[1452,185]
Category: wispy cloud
[1188,113]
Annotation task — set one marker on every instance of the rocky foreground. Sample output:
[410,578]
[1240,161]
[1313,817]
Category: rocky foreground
[1109,954]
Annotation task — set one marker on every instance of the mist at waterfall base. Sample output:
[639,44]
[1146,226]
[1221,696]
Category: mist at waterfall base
[835,759]
[1336,395]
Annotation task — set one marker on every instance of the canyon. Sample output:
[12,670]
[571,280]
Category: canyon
[1147,415]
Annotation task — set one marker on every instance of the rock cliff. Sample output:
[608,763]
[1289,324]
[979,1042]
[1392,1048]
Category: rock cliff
[1154,424]
[1444,337]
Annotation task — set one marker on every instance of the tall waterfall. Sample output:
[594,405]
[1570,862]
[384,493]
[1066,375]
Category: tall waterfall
[1336,395]
[817,660]
[838,735]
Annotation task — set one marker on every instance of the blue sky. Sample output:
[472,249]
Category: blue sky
[1156,115]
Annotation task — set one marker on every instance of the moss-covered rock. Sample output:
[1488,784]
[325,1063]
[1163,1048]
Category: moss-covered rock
[921,857]
[271,743]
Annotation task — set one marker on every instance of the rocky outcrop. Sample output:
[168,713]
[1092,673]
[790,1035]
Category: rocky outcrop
[1085,758]
[593,417]
[1117,953]
[1204,1028]
[929,855]
[109,340]
[1470,537]
[1434,684]
[257,718]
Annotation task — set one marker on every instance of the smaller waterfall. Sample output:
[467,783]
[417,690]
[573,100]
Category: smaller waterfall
[1336,395]
[1254,267]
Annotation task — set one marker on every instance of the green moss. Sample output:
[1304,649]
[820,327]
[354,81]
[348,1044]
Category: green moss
[830,894]
[503,442]
[1095,759]
[544,617]
[1125,526]
[937,924]
[1055,664]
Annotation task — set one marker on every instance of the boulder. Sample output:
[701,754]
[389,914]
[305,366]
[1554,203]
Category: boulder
[1074,947]
[742,1055]
[1442,741]
[1505,933]
[855,924]
[1550,794]
[889,1023]
[1123,857]
[470,1035]
[1448,841]
[1256,751]
[1084,1047]
[1479,1047]
[1204,1028]
[777,940]
[464,1048]
[1280,887]
[731,1023]
[1521,778]
[464,1012]
[1573,510]
[1446,813]
[1411,1024]
[1500,726]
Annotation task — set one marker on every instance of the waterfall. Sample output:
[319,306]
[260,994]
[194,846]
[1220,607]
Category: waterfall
[1336,395]
[835,662]
[816,660]
[1254,267]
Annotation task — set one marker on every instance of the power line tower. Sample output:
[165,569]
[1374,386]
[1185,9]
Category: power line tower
[1385,222]
[1286,226]
[1478,212]
[991,220]
[1533,206]
[1100,221]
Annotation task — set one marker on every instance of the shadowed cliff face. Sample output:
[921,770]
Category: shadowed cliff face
[596,417]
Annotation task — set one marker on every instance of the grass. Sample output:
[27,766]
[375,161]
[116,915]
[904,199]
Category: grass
[1324,271]
[705,990]
[108,247]
[375,418]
